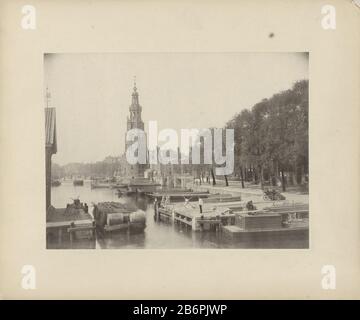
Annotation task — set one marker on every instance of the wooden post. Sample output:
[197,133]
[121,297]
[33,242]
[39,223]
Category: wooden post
[242,177]
[60,236]
[172,216]
[193,222]
[48,176]
[72,225]
[93,230]
[71,239]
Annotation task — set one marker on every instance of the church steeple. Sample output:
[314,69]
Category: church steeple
[134,120]
[135,96]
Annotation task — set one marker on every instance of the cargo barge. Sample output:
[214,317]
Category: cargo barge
[78,182]
[117,217]
[100,185]
[178,196]
[188,214]
[262,225]
[70,227]
[55,183]
[234,221]
[137,186]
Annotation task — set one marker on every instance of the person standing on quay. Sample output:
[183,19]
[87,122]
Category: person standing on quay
[156,209]
[201,203]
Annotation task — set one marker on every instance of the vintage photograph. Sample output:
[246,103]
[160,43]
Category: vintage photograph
[177,150]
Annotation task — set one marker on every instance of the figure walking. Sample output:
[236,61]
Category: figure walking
[156,209]
[201,203]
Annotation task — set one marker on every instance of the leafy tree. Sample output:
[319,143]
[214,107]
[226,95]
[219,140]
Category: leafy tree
[272,137]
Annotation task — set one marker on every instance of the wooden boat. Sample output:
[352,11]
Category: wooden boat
[175,190]
[70,227]
[292,210]
[116,216]
[55,183]
[179,196]
[99,184]
[126,192]
[221,197]
[188,214]
[78,182]
[118,186]
[283,221]
[136,186]
[142,186]
[262,225]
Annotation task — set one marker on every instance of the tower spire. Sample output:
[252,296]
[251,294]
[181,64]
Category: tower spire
[135,97]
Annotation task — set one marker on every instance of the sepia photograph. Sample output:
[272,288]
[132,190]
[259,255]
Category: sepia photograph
[194,151]
[177,150]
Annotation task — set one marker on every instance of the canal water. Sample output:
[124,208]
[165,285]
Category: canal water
[157,235]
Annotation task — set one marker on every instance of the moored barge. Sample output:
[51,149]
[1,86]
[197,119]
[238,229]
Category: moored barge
[179,196]
[55,183]
[262,225]
[116,216]
[70,227]
[78,182]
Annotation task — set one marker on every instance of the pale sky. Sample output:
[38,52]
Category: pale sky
[92,93]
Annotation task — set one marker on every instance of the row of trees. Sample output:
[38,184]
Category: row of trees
[271,139]
[271,143]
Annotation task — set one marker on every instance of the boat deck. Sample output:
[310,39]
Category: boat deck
[236,229]
[70,226]
[178,194]
[189,214]
[62,217]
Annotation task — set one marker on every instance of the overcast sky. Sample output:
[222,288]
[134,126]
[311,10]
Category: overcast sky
[92,93]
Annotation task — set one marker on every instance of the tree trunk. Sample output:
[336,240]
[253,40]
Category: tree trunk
[242,177]
[283,180]
[226,181]
[213,177]
[295,174]
[302,179]
[261,176]
[277,178]
[255,176]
